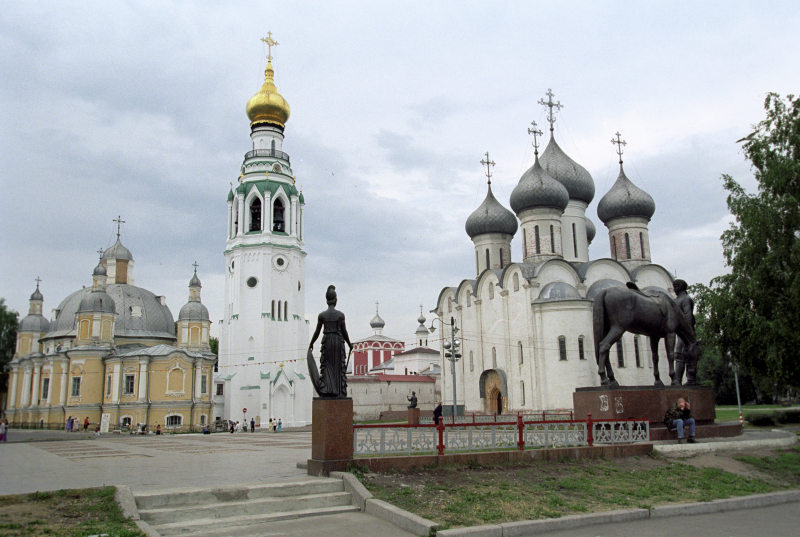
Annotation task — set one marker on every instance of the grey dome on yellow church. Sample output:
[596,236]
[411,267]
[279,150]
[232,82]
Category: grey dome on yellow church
[111,354]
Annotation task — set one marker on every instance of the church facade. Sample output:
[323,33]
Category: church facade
[263,333]
[526,326]
[111,354]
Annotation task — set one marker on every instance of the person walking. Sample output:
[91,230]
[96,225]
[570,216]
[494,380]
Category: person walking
[86,424]
[252,425]
[69,424]
[270,425]
[3,429]
[280,425]
[437,413]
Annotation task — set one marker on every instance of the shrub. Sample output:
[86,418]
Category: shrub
[760,419]
[788,416]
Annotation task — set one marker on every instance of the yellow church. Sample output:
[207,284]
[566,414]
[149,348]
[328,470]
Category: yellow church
[114,354]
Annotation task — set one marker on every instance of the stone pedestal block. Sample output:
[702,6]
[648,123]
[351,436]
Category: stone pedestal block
[642,402]
[331,435]
[413,416]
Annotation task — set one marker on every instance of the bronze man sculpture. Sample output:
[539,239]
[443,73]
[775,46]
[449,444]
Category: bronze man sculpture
[331,380]
[413,400]
[684,361]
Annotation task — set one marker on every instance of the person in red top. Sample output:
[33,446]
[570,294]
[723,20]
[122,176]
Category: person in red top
[86,423]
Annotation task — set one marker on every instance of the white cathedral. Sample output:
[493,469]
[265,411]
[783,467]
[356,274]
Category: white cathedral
[262,372]
[526,327]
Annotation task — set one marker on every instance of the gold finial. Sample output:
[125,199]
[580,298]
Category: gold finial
[270,43]
[619,143]
[550,104]
[535,132]
[488,163]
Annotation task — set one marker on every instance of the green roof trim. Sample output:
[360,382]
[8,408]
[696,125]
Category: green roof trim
[250,358]
[230,195]
[302,199]
[266,184]
[264,375]
[250,388]
[299,375]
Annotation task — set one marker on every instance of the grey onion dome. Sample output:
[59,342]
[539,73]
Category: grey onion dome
[193,311]
[569,173]
[491,217]
[99,270]
[422,330]
[555,291]
[536,188]
[591,231]
[118,252]
[377,322]
[97,301]
[37,295]
[195,281]
[625,199]
[421,319]
[34,323]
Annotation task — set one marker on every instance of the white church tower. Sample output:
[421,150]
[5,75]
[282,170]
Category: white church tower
[263,333]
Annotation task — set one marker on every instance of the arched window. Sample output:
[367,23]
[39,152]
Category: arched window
[522,391]
[487,258]
[636,351]
[574,240]
[273,147]
[469,299]
[501,258]
[494,358]
[552,241]
[255,215]
[491,290]
[524,244]
[279,310]
[477,265]
[562,348]
[627,246]
[272,314]
[521,358]
[641,244]
[516,282]
[538,244]
[449,304]
[620,356]
[614,247]
[285,311]
[581,354]
[471,362]
[278,222]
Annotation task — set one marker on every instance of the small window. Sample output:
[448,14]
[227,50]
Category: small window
[562,348]
[627,246]
[45,388]
[129,382]
[538,244]
[501,259]
[552,240]
[174,421]
[487,259]
[220,389]
[272,315]
[202,419]
[491,290]
[76,387]
[519,345]
[522,389]
[252,281]
[204,384]
[641,244]
[614,247]
[279,310]
[494,358]
[108,385]
[469,299]
[636,351]
[126,422]
[471,362]
[524,244]
[581,355]
[285,311]
[574,240]
[278,223]
[516,282]
[620,356]
[477,265]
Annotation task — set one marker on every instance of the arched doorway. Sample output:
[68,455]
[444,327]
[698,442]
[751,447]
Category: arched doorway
[495,400]
[494,391]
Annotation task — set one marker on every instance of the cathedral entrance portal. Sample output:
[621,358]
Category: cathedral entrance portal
[494,391]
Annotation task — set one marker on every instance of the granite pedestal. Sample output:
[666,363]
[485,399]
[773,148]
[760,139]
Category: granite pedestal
[331,435]
[413,416]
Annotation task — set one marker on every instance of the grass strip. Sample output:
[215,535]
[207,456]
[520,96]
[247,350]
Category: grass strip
[65,513]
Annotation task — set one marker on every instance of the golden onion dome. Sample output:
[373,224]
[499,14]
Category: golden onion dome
[268,106]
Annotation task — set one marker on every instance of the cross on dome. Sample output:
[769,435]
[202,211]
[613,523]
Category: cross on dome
[270,43]
[488,163]
[535,132]
[376,307]
[619,143]
[550,104]
[119,222]
[100,251]
[38,279]
[195,265]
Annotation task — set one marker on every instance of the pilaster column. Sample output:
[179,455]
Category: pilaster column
[240,216]
[198,372]
[36,384]
[142,381]
[12,402]
[62,396]
[26,389]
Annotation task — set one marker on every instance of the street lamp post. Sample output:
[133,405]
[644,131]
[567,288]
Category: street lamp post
[452,352]
[735,368]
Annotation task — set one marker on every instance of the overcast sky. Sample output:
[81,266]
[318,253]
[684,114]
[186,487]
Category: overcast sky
[138,109]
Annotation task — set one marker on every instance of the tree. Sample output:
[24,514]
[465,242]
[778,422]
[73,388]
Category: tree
[213,343]
[9,321]
[753,313]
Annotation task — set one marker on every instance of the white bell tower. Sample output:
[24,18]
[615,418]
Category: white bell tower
[263,333]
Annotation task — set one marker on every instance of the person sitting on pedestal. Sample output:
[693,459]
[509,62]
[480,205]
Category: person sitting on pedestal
[678,416]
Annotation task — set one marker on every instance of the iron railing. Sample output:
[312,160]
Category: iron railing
[379,440]
[266,153]
[502,418]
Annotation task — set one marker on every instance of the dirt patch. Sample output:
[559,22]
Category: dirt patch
[726,461]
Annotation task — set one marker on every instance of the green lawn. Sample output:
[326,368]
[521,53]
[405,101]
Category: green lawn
[731,413]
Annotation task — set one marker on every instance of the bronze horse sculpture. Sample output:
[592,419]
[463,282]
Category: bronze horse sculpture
[616,311]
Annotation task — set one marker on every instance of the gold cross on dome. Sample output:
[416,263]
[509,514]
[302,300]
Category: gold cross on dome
[119,222]
[535,132]
[270,43]
[550,104]
[488,163]
[619,143]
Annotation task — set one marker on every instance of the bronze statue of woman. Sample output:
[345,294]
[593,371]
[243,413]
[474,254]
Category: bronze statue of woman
[331,381]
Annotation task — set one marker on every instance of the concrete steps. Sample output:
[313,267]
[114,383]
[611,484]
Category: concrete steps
[243,510]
